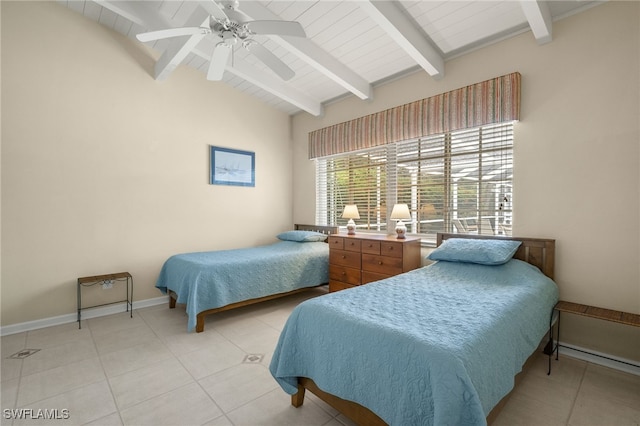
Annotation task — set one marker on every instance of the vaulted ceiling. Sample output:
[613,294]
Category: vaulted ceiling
[350,46]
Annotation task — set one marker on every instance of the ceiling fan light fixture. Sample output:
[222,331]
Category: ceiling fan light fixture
[229,38]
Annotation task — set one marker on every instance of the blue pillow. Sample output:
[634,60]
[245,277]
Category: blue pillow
[483,252]
[302,236]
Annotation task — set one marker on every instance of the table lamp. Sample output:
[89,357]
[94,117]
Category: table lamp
[399,212]
[351,212]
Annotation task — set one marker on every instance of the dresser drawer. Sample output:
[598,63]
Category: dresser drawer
[338,285]
[369,277]
[371,247]
[382,264]
[336,243]
[352,245]
[345,258]
[344,274]
[391,249]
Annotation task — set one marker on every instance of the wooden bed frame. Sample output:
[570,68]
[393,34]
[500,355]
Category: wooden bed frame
[201,315]
[539,252]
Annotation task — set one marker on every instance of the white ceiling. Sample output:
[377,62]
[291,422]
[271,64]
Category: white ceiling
[350,47]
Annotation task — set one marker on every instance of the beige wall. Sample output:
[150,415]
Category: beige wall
[577,157]
[105,169]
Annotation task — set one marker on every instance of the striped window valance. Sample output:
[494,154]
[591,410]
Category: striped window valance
[491,101]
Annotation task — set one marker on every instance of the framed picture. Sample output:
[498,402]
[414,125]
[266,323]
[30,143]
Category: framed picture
[232,167]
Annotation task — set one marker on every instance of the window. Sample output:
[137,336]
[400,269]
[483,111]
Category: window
[454,182]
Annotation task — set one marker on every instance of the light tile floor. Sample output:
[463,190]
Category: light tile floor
[149,371]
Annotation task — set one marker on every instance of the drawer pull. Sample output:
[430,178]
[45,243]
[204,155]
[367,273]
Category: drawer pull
[344,257]
[380,262]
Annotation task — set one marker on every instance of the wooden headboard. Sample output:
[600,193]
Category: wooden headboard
[539,252]
[317,228]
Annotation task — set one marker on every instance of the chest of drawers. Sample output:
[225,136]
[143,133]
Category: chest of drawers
[361,259]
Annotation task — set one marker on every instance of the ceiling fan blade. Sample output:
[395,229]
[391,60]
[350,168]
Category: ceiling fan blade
[214,9]
[218,62]
[172,32]
[270,60]
[282,28]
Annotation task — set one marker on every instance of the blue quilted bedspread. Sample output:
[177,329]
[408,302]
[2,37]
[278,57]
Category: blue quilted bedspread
[439,345]
[209,280]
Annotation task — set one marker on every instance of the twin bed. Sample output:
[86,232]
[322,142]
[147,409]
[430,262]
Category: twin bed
[216,281]
[437,345]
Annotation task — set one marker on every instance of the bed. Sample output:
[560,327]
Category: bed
[438,345]
[216,281]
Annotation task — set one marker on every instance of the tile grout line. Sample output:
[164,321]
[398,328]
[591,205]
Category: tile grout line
[104,372]
[17,393]
[575,398]
[196,381]
[54,395]
[155,334]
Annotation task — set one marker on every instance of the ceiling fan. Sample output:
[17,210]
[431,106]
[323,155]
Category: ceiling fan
[232,26]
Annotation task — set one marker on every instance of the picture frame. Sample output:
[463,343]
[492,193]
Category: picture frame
[232,167]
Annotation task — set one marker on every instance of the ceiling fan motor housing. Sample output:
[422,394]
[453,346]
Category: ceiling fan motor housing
[226,30]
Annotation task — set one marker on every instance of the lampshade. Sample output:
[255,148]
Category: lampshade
[350,212]
[400,211]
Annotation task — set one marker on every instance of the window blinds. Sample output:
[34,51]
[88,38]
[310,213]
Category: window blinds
[453,182]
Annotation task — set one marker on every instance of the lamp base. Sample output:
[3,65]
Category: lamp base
[351,227]
[401,230]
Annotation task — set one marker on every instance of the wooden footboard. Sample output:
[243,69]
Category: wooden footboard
[201,316]
[356,412]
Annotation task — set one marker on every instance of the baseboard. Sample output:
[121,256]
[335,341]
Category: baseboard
[86,314]
[599,358]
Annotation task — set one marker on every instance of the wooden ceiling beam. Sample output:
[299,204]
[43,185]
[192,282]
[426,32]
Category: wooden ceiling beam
[139,13]
[312,54]
[404,32]
[539,17]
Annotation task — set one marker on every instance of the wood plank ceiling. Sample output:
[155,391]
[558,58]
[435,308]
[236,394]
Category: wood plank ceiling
[350,46]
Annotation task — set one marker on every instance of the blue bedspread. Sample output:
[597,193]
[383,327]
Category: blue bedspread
[439,345]
[209,280]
